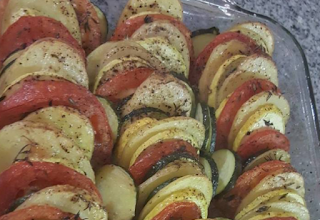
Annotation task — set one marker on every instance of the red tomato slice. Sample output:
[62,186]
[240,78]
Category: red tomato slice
[261,140]
[31,95]
[179,211]
[154,153]
[247,181]
[235,101]
[25,177]
[127,28]
[123,84]
[89,24]
[29,29]
[39,213]
[201,60]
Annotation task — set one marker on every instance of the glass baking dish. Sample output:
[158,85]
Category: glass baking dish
[294,77]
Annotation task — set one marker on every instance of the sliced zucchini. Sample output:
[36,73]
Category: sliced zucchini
[296,209]
[274,154]
[62,11]
[162,91]
[171,58]
[201,38]
[229,168]
[104,27]
[252,105]
[255,66]
[10,60]
[69,199]
[266,116]
[225,70]
[218,56]
[49,55]
[211,170]
[272,196]
[129,144]
[70,122]
[185,195]
[118,66]
[284,180]
[168,159]
[214,129]
[113,119]
[177,168]
[166,29]
[172,8]
[170,134]
[129,133]
[258,32]
[161,186]
[118,192]
[200,183]
[142,113]
[27,140]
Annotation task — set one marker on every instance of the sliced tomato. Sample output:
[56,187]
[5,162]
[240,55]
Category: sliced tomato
[25,177]
[123,84]
[31,94]
[201,60]
[235,101]
[38,212]
[127,28]
[154,153]
[29,29]
[89,24]
[247,181]
[179,211]
[262,140]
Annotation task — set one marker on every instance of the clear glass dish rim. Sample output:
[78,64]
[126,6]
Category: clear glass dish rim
[231,5]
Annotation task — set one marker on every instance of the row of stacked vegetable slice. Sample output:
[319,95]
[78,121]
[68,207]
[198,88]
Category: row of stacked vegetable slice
[188,134]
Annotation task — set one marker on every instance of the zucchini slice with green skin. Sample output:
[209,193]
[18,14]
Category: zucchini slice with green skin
[118,192]
[274,154]
[70,122]
[214,129]
[165,92]
[113,119]
[229,167]
[175,169]
[104,26]
[211,170]
[168,159]
[142,113]
[201,38]
[161,186]
[204,116]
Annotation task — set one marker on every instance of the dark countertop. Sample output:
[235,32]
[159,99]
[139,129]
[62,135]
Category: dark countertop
[302,18]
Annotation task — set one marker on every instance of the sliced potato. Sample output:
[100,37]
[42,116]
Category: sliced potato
[255,66]
[26,140]
[185,195]
[272,196]
[178,168]
[252,105]
[171,58]
[118,192]
[266,116]
[69,199]
[225,70]
[168,31]
[70,122]
[117,66]
[199,183]
[142,134]
[168,7]
[258,32]
[218,56]
[164,92]
[49,55]
[62,11]
[170,134]
[104,26]
[287,180]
